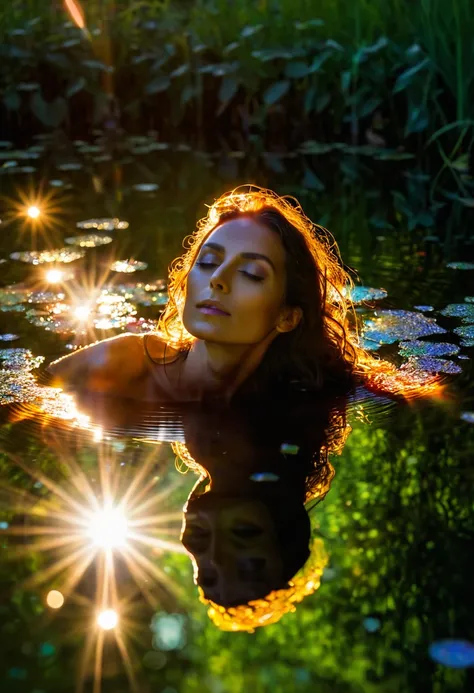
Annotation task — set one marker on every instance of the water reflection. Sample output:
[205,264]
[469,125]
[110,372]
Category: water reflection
[246,526]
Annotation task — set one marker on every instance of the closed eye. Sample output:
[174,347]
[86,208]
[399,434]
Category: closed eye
[208,265]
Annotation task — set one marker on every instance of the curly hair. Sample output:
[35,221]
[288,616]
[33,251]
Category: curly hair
[325,346]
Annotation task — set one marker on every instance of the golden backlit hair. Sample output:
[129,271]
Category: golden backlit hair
[342,351]
[270,609]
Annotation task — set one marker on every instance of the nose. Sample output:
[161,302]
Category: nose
[220,281]
[218,557]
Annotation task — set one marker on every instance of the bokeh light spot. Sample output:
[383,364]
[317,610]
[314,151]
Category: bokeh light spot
[107,619]
[55,599]
[54,276]
[33,212]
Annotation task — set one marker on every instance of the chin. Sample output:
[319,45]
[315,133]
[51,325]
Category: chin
[202,329]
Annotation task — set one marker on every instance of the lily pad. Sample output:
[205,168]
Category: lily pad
[146,187]
[434,365]
[40,257]
[461,265]
[128,266]
[465,311]
[360,294]
[389,326]
[419,348]
[103,224]
[89,240]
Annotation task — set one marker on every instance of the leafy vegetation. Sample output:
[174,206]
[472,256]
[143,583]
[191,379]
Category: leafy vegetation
[362,83]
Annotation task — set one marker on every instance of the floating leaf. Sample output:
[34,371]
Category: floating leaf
[460,310]
[103,224]
[146,187]
[434,365]
[20,359]
[359,294]
[468,416]
[389,326]
[70,166]
[40,257]
[128,266]
[419,348]
[424,309]
[461,265]
[465,331]
[89,240]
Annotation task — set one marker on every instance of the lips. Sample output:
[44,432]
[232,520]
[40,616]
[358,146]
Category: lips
[212,308]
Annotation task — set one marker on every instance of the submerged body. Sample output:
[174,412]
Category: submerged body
[129,365]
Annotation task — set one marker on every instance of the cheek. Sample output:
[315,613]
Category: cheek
[260,304]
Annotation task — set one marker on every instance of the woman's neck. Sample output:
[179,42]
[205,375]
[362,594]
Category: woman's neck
[218,370]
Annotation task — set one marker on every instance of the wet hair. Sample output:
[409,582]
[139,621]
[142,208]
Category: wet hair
[324,348]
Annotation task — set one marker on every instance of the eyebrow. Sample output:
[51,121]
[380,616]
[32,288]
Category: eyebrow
[247,256]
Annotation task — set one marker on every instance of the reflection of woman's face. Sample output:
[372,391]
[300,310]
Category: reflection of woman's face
[235,548]
[242,266]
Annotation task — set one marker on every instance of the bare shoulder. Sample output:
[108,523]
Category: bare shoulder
[158,349]
[120,354]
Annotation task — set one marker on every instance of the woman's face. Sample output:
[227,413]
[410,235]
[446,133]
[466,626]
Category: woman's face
[234,547]
[241,265]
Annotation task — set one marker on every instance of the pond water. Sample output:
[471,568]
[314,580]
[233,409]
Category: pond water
[98,567]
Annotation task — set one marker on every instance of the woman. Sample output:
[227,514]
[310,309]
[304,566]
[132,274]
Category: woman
[257,303]
[245,526]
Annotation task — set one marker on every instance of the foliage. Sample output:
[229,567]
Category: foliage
[379,81]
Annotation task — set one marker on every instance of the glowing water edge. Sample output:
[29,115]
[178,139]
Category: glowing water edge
[295,545]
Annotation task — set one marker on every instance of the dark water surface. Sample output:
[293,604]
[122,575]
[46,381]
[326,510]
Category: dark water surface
[390,575]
